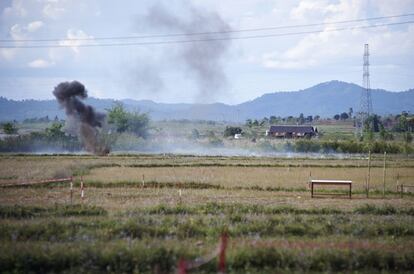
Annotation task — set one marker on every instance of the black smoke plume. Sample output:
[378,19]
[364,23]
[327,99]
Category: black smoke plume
[82,120]
[202,59]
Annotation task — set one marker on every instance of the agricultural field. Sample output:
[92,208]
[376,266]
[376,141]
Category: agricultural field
[146,213]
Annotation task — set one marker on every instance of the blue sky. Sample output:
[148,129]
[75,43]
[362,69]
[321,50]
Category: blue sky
[230,71]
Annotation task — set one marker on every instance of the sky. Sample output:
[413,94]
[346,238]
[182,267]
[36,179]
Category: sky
[228,68]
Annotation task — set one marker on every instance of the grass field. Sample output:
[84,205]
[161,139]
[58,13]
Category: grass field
[186,202]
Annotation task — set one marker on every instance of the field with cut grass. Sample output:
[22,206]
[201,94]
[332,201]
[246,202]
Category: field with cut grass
[143,213]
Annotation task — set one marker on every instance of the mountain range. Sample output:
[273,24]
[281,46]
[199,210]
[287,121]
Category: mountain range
[325,99]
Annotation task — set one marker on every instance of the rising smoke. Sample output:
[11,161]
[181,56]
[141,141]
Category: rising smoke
[82,120]
[202,59]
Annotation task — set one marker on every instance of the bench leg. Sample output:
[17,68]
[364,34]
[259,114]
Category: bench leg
[350,191]
[311,190]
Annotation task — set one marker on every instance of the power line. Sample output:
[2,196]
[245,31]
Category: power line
[208,33]
[206,39]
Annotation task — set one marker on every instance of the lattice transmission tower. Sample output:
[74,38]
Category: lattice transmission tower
[365,107]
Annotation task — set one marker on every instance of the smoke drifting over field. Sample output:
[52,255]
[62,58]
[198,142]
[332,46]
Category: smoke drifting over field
[202,60]
[82,120]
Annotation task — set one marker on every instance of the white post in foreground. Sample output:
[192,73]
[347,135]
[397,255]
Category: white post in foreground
[71,190]
[82,190]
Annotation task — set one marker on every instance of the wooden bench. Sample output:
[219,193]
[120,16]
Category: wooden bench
[331,182]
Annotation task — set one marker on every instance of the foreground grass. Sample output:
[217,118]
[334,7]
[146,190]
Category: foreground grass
[262,238]
[145,257]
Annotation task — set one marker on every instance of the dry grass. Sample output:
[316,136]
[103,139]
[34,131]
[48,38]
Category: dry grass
[122,199]
[28,167]
[282,177]
[231,174]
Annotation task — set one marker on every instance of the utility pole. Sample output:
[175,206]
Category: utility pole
[365,107]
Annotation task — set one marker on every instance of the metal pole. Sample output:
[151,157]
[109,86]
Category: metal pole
[383,174]
[143,180]
[399,186]
[369,172]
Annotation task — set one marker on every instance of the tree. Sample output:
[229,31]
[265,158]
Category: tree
[231,131]
[138,124]
[337,116]
[55,131]
[301,119]
[124,121]
[410,124]
[118,117]
[195,134]
[273,120]
[372,123]
[344,116]
[9,128]
[408,138]
[402,123]
[350,112]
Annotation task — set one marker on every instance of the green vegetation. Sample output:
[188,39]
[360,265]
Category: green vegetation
[123,121]
[18,211]
[9,128]
[130,131]
[286,238]
[51,139]
[231,131]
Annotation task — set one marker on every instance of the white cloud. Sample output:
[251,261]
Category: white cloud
[53,10]
[40,63]
[34,26]
[8,54]
[17,8]
[308,8]
[17,32]
[395,7]
[330,47]
[73,41]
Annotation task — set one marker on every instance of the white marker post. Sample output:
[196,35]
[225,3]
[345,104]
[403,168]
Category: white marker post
[82,191]
[71,190]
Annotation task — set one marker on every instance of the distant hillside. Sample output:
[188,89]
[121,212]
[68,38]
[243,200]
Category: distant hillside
[325,99]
